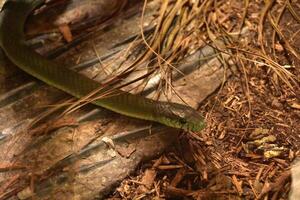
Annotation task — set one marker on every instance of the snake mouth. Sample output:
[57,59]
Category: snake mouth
[180,116]
[194,125]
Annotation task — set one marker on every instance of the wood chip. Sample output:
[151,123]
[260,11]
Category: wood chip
[237,184]
[148,178]
[66,32]
[178,177]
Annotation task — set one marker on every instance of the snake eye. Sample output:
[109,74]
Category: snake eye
[182,120]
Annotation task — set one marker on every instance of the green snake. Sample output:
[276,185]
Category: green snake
[12,40]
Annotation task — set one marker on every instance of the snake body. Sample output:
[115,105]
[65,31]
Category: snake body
[12,40]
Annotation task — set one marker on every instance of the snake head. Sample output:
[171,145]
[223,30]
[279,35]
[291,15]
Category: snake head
[180,116]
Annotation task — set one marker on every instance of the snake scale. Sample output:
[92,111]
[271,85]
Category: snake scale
[12,40]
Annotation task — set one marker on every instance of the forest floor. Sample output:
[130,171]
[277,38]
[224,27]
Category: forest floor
[251,143]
